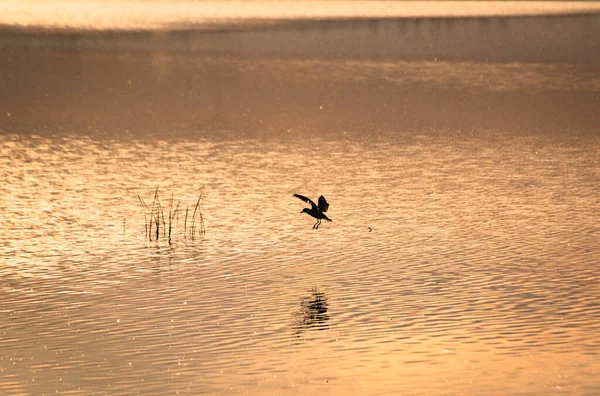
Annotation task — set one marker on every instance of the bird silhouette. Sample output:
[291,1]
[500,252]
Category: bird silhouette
[316,211]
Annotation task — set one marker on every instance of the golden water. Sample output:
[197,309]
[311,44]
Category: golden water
[462,256]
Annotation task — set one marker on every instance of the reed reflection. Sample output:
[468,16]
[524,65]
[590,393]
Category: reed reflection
[313,311]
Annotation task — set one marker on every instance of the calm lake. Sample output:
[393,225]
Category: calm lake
[462,257]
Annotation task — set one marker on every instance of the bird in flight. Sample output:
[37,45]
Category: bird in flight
[316,211]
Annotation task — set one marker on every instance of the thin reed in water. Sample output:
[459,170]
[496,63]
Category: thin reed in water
[154,218]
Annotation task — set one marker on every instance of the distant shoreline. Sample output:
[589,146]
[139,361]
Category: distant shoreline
[553,38]
[244,24]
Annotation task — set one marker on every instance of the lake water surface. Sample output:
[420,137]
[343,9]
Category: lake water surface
[462,256]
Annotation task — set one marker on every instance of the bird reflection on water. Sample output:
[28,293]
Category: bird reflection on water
[313,311]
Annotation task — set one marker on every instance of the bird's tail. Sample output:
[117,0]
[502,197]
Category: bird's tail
[325,217]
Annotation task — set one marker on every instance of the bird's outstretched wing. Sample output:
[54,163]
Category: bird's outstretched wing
[307,200]
[323,204]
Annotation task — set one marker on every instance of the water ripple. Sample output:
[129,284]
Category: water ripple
[480,258]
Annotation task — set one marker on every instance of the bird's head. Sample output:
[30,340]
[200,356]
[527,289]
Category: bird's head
[305,210]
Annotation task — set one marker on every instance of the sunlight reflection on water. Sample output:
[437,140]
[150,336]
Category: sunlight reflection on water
[482,258]
[462,255]
[132,14]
